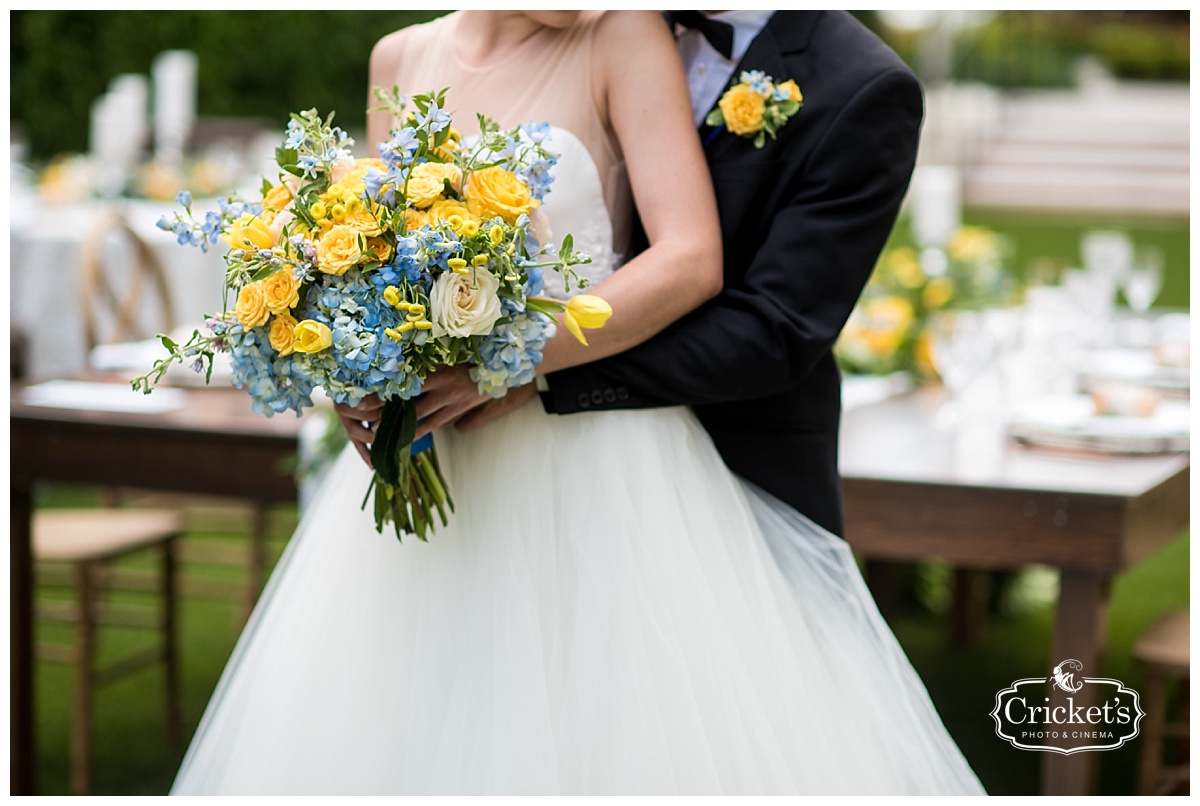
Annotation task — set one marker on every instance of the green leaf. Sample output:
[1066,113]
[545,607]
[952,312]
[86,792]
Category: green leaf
[548,307]
[715,118]
[265,272]
[168,342]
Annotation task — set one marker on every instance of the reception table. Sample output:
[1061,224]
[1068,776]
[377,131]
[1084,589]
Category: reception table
[916,491]
[912,492]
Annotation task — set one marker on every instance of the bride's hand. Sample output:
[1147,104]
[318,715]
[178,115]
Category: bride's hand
[447,394]
[353,417]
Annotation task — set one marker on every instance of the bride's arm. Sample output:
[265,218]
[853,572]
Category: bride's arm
[639,82]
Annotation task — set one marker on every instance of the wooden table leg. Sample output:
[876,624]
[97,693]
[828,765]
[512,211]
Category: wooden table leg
[20,548]
[1080,625]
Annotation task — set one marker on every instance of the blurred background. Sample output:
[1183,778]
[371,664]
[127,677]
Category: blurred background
[1043,252]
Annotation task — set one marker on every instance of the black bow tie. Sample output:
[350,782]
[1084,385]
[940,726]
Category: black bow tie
[719,34]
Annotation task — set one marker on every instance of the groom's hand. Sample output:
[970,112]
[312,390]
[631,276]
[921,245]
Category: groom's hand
[493,410]
[447,394]
[353,419]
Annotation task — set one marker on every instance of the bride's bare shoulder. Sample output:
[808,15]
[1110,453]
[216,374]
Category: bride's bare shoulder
[617,25]
[389,49]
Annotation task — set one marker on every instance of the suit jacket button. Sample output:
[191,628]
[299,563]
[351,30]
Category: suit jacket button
[610,396]
[597,396]
[622,393]
[583,400]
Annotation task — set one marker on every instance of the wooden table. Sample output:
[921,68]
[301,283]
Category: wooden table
[915,492]
[214,445]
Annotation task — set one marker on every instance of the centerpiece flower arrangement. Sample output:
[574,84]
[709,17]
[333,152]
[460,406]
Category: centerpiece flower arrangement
[888,330]
[361,276]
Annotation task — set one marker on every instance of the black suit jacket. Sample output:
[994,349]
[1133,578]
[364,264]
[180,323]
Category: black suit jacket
[803,221]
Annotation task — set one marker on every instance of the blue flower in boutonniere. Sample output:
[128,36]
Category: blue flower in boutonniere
[756,106]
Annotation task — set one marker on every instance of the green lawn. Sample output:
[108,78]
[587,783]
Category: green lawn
[130,757]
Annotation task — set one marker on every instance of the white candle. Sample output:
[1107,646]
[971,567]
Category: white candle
[175,75]
[936,204]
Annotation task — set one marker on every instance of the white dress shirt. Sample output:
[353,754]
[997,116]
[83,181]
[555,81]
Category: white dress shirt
[707,70]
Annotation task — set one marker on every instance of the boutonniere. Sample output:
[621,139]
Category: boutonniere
[756,106]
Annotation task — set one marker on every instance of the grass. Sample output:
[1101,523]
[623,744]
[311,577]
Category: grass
[131,758]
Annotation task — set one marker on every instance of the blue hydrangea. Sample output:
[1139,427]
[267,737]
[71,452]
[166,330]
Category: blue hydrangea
[509,355]
[275,383]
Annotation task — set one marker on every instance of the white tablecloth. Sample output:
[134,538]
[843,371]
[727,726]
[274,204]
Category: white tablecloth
[44,278]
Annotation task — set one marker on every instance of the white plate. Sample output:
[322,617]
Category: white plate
[1136,366]
[1072,422]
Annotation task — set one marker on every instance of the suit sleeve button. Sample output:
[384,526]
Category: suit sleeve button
[597,396]
[610,396]
[622,393]
[583,400]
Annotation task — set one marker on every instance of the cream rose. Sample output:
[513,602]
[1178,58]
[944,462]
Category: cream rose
[464,304]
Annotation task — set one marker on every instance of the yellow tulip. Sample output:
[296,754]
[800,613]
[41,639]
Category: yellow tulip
[585,310]
[311,337]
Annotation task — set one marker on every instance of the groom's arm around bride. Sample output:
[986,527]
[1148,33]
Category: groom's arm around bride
[803,219]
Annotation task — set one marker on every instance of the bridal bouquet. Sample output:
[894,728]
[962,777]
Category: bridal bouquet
[360,276]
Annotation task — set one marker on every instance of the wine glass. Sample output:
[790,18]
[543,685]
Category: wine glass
[962,346]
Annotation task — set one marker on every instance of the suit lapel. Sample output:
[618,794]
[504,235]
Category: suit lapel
[785,32]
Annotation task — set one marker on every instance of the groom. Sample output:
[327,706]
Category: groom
[803,221]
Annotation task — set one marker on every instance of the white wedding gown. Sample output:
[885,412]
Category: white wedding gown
[610,611]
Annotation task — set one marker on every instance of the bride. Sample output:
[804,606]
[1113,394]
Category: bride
[610,610]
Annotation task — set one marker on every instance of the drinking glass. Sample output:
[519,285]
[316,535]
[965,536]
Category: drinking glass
[962,347]
[1143,281]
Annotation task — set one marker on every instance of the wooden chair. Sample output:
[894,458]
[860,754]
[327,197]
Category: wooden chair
[88,540]
[99,291]
[1162,652]
[113,311]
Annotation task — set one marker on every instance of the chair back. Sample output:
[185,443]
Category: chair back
[125,295]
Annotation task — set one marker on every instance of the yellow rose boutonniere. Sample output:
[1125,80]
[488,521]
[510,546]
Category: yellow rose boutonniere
[756,106]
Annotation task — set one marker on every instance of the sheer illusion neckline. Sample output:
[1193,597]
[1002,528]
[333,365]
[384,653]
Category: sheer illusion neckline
[516,50]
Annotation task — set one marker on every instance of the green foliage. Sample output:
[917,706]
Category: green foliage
[262,64]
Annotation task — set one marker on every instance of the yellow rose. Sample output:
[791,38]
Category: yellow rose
[414,220]
[442,210]
[972,243]
[363,221]
[311,337]
[277,198]
[497,192]
[337,251]
[585,310]
[792,90]
[425,184]
[249,232]
[281,290]
[251,308]
[742,109]
[283,333]
[379,247]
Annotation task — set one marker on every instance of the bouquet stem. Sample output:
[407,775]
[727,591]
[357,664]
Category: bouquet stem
[407,486]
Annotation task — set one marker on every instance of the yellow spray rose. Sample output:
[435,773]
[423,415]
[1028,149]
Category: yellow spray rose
[379,247]
[337,251]
[283,333]
[742,108]
[249,232]
[497,192]
[792,90]
[311,337]
[277,198]
[281,290]
[442,210]
[425,184]
[585,310]
[251,307]
[937,293]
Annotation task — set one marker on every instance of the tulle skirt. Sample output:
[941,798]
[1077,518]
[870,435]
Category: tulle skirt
[610,611]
